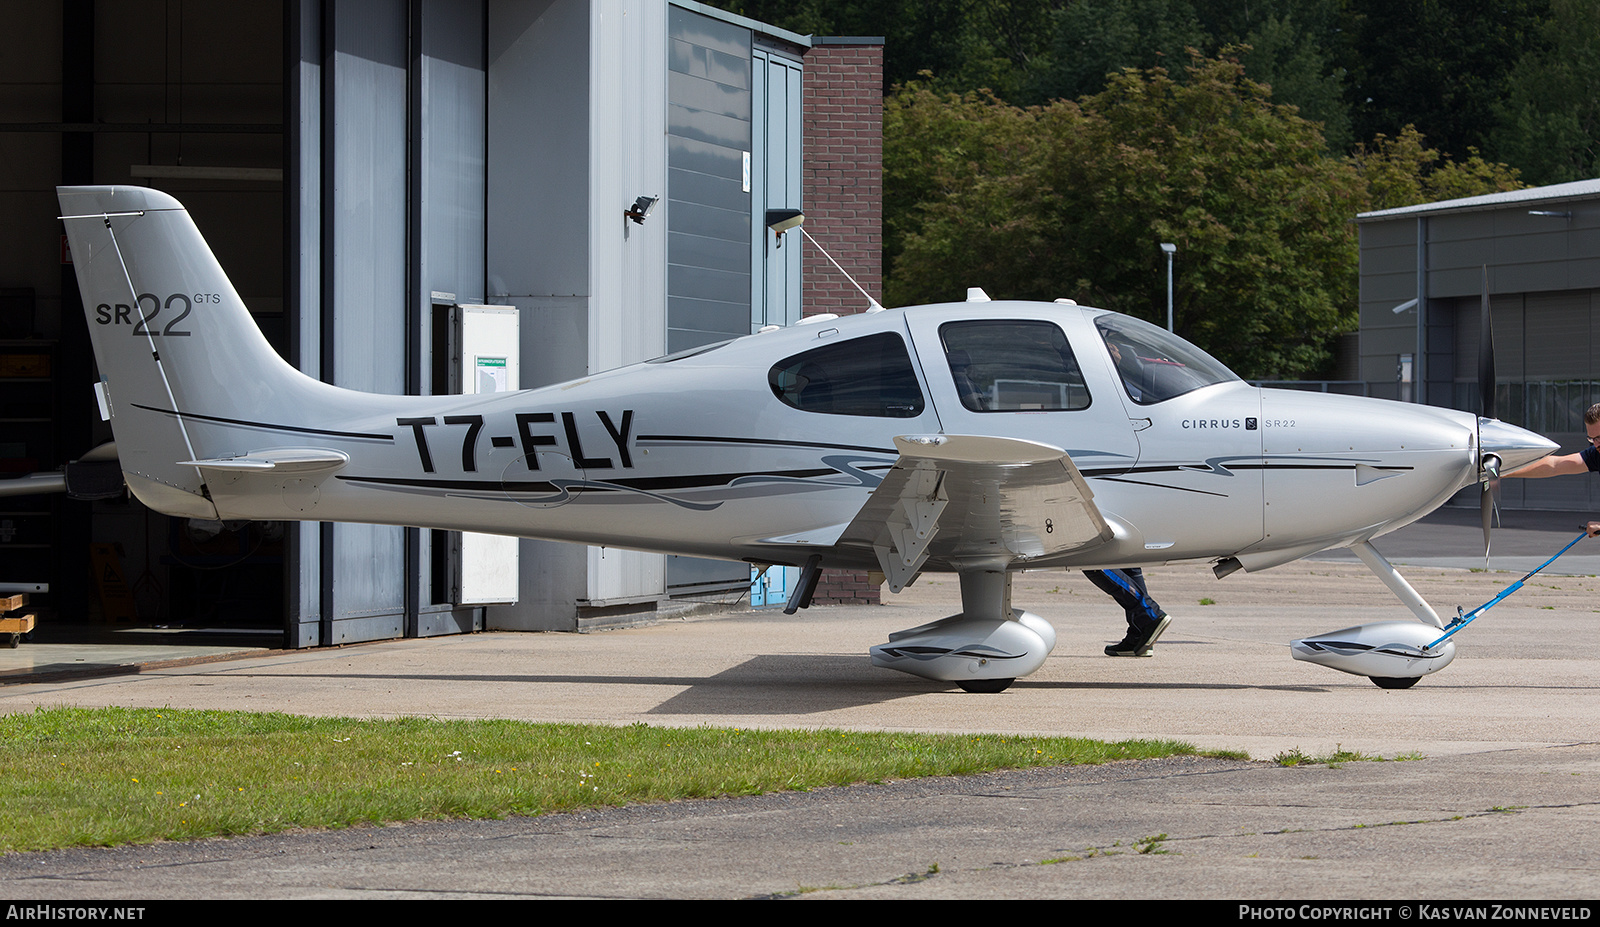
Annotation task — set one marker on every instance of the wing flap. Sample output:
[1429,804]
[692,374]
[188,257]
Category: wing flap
[975,502]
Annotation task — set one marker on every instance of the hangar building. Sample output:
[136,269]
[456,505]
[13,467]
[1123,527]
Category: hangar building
[369,172]
[1422,275]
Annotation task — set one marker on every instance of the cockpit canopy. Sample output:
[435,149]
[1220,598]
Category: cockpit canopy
[1154,364]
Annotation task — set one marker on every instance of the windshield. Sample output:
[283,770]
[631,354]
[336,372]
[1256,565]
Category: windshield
[1154,364]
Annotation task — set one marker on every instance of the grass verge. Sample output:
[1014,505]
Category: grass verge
[106,776]
[1338,757]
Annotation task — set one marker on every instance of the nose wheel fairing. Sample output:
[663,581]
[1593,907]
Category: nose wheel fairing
[1381,650]
[964,649]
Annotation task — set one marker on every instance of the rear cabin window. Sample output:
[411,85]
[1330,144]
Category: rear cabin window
[865,376]
[1013,366]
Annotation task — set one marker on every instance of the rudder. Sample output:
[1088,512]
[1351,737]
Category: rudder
[173,340]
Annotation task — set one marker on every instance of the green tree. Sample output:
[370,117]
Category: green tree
[1404,171]
[1550,122]
[1093,39]
[1440,65]
[1298,66]
[1072,199]
[964,44]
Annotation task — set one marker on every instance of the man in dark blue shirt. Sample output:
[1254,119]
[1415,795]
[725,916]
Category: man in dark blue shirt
[1586,460]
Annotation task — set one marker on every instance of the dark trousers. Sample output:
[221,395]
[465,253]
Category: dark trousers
[1127,587]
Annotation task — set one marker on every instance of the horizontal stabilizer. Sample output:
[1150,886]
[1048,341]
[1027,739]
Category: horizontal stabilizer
[280,460]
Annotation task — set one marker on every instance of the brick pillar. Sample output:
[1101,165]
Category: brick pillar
[842,181]
[843,172]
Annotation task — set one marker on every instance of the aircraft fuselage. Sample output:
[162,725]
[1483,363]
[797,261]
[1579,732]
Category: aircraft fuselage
[698,455]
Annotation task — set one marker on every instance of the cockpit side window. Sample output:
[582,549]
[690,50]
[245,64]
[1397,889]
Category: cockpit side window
[865,376]
[1013,366]
[1154,364]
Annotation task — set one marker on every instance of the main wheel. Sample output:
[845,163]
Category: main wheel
[1394,682]
[986,686]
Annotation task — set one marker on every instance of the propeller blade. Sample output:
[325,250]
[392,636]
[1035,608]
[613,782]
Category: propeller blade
[1486,353]
[1486,506]
[1489,499]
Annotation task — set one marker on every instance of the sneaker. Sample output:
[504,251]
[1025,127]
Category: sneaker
[1128,647]
[1138,644]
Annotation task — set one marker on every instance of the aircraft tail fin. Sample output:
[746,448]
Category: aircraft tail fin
[179,355]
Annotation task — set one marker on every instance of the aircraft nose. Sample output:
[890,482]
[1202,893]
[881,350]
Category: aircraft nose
[1514,446]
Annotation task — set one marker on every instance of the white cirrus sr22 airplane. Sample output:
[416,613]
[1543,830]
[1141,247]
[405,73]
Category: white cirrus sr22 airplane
[979,438]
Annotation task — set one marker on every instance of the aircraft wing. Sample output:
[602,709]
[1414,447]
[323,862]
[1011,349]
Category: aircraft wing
[974,501]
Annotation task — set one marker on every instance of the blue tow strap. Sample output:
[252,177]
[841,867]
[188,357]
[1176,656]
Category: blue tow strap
[1462,621]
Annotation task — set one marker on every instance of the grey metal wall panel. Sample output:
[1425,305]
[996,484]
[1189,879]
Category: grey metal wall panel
[698,251]
[689,155]
[1594,327]
[368,262]
[538,216]
[682,339]
[692,57]
[704,283]
[1529,277]
[1561,494]
[1449,258]
[628,307]
[705,32]
[713,222]
[1558,323]
[709,133]
[1468,331]
[539,156]
[709,316]
[1396,233]
[708,96]
[367,267]
[1396,260]
[448,87]
[303,560]
[452,112]
[1507,315]
[1584,245]
[1388,279]
[713,128]
[1440,368]
[709,189]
